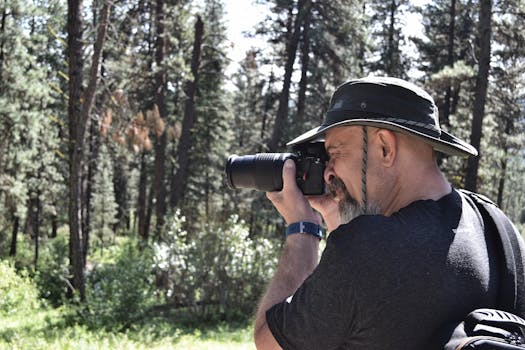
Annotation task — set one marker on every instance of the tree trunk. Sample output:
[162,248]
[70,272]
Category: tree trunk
[186,138]
[2,50]
[362,48]
[76,66]
[303,83]
[445,110]
[141,205]
[121,193]
[269,100]
[390,62]
[503,161]
[501,184]
[36,226]
[79,109]
[291,52]
[92,158]
[160,96]
[149,210]
[481,91]
[14,235]
[54,226]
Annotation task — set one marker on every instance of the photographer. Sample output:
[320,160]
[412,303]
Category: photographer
[406,253]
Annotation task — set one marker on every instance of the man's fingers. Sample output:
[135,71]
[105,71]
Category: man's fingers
[289,175]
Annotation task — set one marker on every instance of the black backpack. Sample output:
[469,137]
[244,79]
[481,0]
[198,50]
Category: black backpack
[499,328]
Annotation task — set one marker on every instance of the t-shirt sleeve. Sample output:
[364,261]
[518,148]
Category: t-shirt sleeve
[320,313]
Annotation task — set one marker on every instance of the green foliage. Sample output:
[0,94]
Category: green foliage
[53,270]
[30,168]
[119,293]
[103,205]
[217,265]
[17,292]
[390,58]
[45,329]
[449,75]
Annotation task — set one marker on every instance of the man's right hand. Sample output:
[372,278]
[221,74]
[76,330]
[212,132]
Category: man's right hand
[290,201]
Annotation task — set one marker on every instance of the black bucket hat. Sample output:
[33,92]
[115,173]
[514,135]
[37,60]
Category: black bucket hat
[387,103]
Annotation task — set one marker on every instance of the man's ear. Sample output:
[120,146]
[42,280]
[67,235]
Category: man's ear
[388,146]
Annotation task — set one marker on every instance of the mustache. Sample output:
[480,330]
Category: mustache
[336,186]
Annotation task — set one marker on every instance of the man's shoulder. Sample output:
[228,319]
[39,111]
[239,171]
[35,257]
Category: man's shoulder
[419,223]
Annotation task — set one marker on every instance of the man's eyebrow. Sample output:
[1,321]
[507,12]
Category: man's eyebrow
[333,147]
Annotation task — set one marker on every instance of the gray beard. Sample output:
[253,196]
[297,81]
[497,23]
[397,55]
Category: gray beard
[349,208]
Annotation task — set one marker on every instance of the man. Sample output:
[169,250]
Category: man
[406,253]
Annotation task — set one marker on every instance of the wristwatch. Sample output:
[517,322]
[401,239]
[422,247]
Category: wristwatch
[305,227]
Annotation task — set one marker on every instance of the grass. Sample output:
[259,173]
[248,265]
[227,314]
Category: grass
[49,329]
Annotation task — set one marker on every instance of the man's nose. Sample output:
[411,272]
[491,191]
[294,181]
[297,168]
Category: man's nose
[329,173]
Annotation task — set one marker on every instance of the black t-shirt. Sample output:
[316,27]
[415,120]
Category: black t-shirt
[392,282]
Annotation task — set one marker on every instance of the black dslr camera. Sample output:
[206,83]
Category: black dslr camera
[263,171]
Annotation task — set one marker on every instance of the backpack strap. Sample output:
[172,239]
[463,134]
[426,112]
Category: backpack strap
[512,279]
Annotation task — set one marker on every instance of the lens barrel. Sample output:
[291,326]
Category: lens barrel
[262,171]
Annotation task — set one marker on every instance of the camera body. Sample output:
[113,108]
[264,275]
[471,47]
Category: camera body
[263,171]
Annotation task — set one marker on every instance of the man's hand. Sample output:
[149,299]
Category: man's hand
[290,202]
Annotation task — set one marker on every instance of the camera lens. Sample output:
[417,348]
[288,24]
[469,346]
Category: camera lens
[262,171]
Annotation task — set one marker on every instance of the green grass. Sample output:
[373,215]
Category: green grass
[49,329]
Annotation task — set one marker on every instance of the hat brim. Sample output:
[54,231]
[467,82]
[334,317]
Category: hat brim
[446,143]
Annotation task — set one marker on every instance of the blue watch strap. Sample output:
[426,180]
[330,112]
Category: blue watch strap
[305,227]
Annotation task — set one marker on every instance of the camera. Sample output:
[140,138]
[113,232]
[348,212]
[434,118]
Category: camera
[263,171]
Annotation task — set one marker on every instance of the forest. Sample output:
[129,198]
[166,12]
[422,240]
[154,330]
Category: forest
[117,117]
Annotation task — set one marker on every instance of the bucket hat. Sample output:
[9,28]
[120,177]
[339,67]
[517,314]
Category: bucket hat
[388,103]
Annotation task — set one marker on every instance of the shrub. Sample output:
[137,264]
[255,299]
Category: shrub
[53,270]
[219,265]
[17,291]
[118,294]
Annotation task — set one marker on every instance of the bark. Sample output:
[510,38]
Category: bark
[269,100]
[54,226]
[121,193]
[173,150]
[141,205]
[305,58]
[5,138]
[2,50]
[90,177]
[362,48]
[503,162]
[79,109]
[186,138]
[291,52]
[390,62]
[160,96]
[445,110]
[14,235]
[149,211]
[481,91]
[36,226]
[76,65]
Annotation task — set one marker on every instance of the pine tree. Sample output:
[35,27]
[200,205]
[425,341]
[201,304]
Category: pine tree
[211,132]
[79,111]
[389,38]
[445,56]
[31,169]
[326,38]
[103,204]
[505,105]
